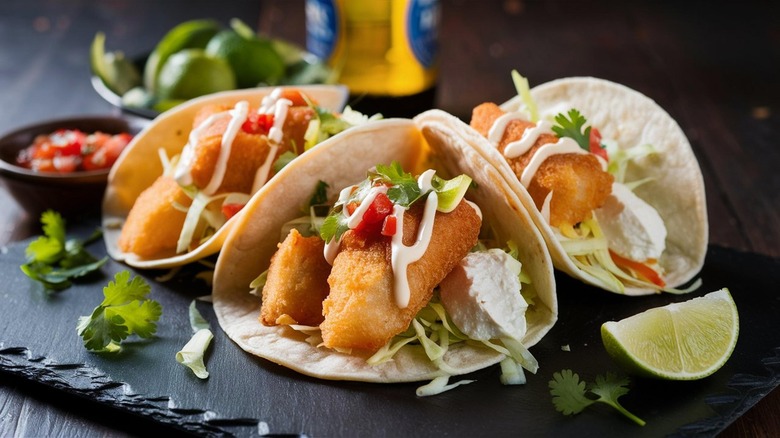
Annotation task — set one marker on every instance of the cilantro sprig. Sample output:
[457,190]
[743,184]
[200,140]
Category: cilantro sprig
[125,310]
[54,260]
[403,190]
[572,127]
[571,396]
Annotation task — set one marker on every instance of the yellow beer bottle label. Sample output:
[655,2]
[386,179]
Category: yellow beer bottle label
[377,47]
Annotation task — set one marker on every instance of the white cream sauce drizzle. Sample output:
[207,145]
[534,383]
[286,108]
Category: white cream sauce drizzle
[401,256]
[238,116]
[271,104]
[564,145]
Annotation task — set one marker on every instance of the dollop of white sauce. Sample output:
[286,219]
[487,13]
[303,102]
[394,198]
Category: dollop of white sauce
[482,296]
[633,228]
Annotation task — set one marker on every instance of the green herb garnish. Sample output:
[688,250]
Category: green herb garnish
[54,260]
[571,396]
[125,310]
[320,195]
[572,128]
[404,190]
[283,160]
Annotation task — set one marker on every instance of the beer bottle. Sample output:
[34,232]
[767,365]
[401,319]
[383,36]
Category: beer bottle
[385,51]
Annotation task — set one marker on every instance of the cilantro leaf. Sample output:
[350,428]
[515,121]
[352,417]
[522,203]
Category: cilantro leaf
[571,396]
[333,226]
[124,311]
[573,128]
[54,261]
[404,190]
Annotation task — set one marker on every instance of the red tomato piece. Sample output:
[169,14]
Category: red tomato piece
[375,214]
[595,144]
[230,210]
[641,269]
[66,163]
[103,150]
[258,123]
[389,225]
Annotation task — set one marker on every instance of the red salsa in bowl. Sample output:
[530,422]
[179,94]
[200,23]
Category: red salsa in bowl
[70,150]
[63,164]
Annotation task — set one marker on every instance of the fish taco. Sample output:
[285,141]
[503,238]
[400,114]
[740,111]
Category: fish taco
[176,189]
[393,253]
[609,178]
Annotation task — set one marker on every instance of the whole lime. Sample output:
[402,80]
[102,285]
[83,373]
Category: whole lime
[191,73]
[253,60]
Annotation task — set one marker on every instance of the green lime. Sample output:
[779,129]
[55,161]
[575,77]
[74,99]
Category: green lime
[452,192]
[116,72]
[254,61]
[193,34]
[191,73]
[680,341]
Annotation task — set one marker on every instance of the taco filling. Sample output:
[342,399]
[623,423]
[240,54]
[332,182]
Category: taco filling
[399,261]
[231,152]
[576,180]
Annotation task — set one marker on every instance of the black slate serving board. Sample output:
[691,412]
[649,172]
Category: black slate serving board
[247,396]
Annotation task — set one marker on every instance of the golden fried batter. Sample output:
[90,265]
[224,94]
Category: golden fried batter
[297,281]
[248,151]
[360,312]
[578,183]
[154,224]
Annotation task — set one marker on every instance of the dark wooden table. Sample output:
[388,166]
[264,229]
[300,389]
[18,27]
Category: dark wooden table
[712,66]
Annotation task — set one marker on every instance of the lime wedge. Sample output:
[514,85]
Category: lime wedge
[680,341]
[187,35]
[452,192]
[116,71]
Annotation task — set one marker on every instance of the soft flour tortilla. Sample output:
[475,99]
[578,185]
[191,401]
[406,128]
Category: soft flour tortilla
[139,166]
[341,162]
[632,119]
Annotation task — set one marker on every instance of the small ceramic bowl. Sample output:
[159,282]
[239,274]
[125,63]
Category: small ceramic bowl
[75,193]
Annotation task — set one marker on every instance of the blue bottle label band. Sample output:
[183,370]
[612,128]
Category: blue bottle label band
[422,24]
[322,27]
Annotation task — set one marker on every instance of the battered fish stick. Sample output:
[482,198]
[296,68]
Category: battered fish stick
[578,182]
[297,282]
[361,310]
[153,225]
[249,150]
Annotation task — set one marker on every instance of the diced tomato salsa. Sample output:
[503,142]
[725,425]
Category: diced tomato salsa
[70,150]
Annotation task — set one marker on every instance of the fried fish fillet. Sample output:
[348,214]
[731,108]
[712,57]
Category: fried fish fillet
[578,183]
[361,311]
[248,151]
[154,224]
[297,281]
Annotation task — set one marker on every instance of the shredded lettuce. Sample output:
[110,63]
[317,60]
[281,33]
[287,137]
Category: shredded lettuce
[619,159]
[512,372]
[191,355]
[589,252]
[524,91]
[438,385]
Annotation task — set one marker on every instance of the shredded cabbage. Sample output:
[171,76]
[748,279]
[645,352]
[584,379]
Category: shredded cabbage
[524,91]
[439,385]
[191,355]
